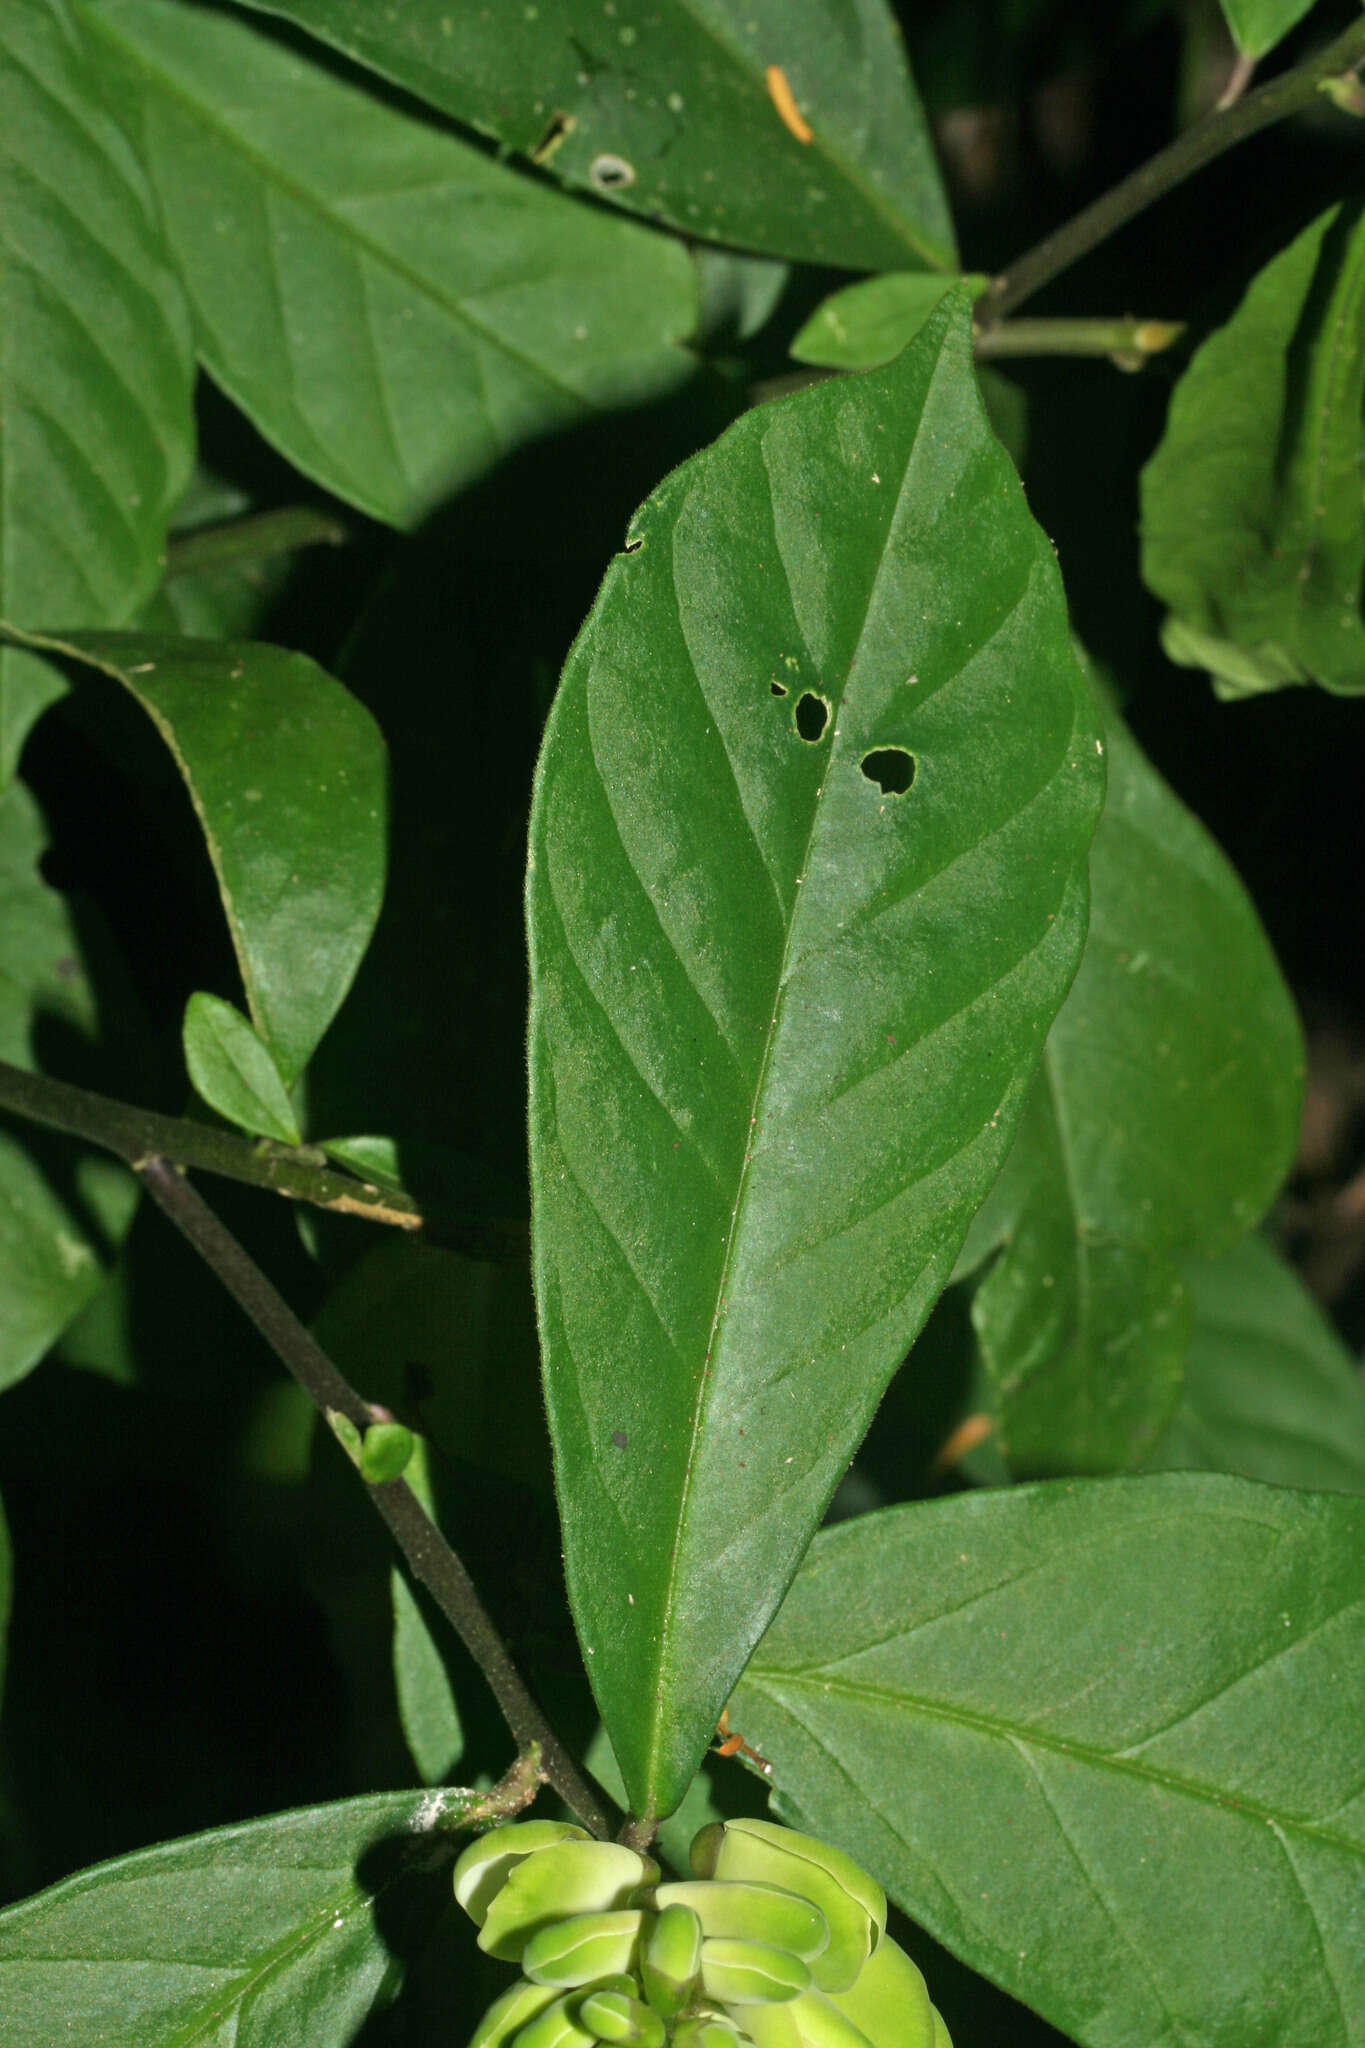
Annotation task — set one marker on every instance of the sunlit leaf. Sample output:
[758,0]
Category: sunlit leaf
[783,1017]
[1104,1740]
[96,368]
[792,130]
[391,307]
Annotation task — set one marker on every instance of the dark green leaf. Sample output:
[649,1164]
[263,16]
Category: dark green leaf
[1270,1390]
[234,1072]
[868,323]
[279,1933]
[225,561]
[96,368]
[1252,516]
[427,1706]
[1104,1740]
[1257,25]
[669,108]
[61,1214]
[391,307]
[1163,1120]
[287,774]
[783,1019]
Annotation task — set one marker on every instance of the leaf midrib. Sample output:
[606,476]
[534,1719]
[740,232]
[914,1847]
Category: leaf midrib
[996,1728]
[271,174]
[707,1386]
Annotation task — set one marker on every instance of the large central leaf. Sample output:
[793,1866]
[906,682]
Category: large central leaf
[783,1018]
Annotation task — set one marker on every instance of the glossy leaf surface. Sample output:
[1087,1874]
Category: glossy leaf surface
[96,367]
[669,107]
[1161,1124]
[1270,1390]
[62,1211]
[269,1935]
[1252,517]
[782,1019]
[870,322]
[393,309]
[233,1071]
[1060,1723]
[286,772]
[1257,25]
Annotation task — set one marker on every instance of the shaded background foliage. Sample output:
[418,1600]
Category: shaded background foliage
[155,1476]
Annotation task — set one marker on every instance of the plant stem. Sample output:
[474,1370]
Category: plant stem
[1199,145]
[135,1134]
[427,1552]
[254,538]
[1129,342]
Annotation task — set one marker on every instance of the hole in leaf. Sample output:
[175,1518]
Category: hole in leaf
[611,173]
[778,689]
[891,768]
[812,716]
[560,125]
[633,547]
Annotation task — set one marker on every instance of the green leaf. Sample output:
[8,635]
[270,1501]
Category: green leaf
[278,1933]
[96,369]
[427,1706]
[391,307]
[870,322]
[62,1210]
[1162,1123]
[234,1072]
[286,771]
[1103,1740]
[1257,25]
[226,561]
[1270,1390]
[666,108]
[1252,517]
[782,1018]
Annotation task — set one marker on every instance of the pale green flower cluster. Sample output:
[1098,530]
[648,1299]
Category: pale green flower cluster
[776,1941]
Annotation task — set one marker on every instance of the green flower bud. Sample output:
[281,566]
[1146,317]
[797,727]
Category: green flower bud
[557,2026]
[507,2015]
[752,1912]
[853,1904]
[751,1973]
[713,2031]
[889,2003]
[614,2016]
[385,1453]
[583,1948]
[671,1958]
[941,2039]
[817,2023]
[481,1872]
[558,1882]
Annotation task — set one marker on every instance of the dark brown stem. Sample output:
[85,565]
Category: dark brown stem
[426,1550]
[1199,145]
[134,1134]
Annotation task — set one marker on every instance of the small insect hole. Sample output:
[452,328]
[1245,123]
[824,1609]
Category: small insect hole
[812,716]
[633,547]
[891,768]
[778,689]
[611,173]
[559,127]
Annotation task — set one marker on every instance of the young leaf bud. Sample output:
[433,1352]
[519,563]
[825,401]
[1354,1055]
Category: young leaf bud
[583,1948]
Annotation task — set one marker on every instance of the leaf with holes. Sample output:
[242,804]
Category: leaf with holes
[279,1933]
[1161,1124]
[63,1209]
[1270,1390]
[1253,526]
[1103,1739]
[796,131]
[286,771]
[393,309]
[96,368]
[784,1009]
